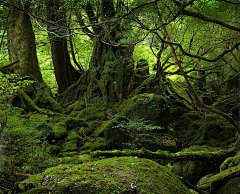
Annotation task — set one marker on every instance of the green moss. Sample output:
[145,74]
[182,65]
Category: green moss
[73,136]
[76,159]
[212,181]
[38,118]
[70,146]
[113,175]
[97,144]
[77,106]
[113,135]
[230,162]
[60,130]
[53,150]
[194,170]
[195,125]
[73,123]
[186,122]
[91,113]
[68,154]
[156,141]
[211,117]
[151,107]
[231,186]
[193,115]
[208,133]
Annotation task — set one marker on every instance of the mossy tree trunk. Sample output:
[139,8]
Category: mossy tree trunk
[21,45]
[111,67]
[65,73]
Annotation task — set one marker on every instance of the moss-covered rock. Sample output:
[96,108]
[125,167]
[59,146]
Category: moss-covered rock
[227,181]
[91,114]
[230,162]
[77,106]
[73,122]
[98,143]
[60,130]
[211,117]
[68,154]
[76,159]
[210,133]
[70,146]
[231,186]
[113,175]
[73,135]
[38,118]
[112,134]
[156,141]
[53,150]
[194,170]
[151,107]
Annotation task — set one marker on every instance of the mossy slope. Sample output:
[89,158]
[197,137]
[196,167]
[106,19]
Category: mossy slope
[113,175]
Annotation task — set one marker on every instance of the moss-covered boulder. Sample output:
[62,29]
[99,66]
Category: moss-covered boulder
[227,181]
[70,146]
[60,130]
[214,133]
[151,107]
[91,114]
[53,150]
[230,162]
[113,175]
[194,170]
[73,122]
[112,134]
[38,118]
[156,141]
[98,143]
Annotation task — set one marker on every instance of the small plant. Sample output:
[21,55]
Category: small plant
[134,128]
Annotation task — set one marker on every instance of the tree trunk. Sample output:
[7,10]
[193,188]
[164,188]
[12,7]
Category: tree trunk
[65,73]
[22,46]
[111,70]
[111,67]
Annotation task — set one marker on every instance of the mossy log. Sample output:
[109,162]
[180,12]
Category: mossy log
[165,155]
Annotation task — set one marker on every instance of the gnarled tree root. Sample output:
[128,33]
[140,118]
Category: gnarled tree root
[32,103]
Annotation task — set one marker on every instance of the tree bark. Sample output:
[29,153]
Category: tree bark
[111,67]
[65,73]
[22,46]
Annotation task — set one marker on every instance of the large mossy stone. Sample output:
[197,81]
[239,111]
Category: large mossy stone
[213,133]
[113,175]
[230,162]
[112,134]
[232,186]
[60,130]
[73,122]
[38,118]
[151,107]
[91,114]
[194,170]
[225,182]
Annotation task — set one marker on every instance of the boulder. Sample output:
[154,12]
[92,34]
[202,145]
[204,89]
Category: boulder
[150,107]
[194,170]
[113,175]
